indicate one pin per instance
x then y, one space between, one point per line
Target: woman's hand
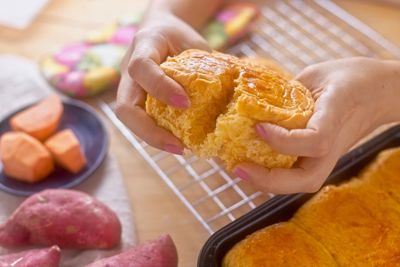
353 97
162 34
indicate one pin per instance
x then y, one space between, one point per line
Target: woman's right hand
161 34
353 97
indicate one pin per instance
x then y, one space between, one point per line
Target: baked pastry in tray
228 97
384 173
283 244
358 222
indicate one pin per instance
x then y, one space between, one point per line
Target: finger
145 70
312 77
307 177
313 141
199 43
129 109
125 59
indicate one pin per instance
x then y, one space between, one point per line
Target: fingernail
173 149
242 174
179 101
261 131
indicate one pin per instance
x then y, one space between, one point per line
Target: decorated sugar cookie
91 66
230 24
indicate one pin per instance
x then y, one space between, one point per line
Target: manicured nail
173 149
242 174
261 131
179 101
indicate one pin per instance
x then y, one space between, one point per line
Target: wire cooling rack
295 33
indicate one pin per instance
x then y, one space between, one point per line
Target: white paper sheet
19 13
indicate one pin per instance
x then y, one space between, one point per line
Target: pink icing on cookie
71 83
123 35
226 16
71 55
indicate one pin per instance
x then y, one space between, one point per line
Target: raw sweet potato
67 151
67 218
49 257
157 253
25 158
41 120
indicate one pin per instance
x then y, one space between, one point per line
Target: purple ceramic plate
92 135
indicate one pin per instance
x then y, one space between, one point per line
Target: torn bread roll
229 96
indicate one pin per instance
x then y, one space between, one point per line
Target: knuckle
321 148
263 188
137 63
280 137
120 110
124 63
309 70
201 43
313 186
307 74
152 34
157 86
145 32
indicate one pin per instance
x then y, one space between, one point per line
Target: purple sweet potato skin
156 253
67 218
49 257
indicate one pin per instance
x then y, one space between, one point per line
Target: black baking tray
282 208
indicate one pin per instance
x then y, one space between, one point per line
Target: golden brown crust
280 245
228 97
358 223
265 96
257 61
384 173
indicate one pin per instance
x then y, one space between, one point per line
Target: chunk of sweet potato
25 158
40 120
67 151
49 257
67 218
156 253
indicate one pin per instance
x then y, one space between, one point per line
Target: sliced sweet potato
156 253
25 158
49 257
41 120
67 151
68 218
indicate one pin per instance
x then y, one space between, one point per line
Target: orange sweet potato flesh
40 120
67 151
25 158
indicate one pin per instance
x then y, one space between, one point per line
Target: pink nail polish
173 149
261 131
179 101
241 174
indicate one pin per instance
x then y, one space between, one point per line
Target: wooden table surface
156 209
